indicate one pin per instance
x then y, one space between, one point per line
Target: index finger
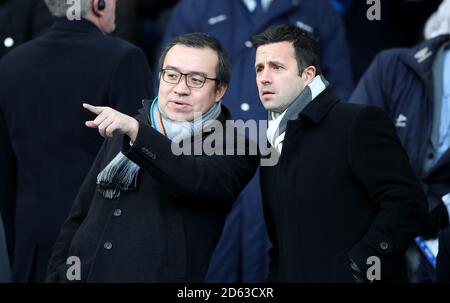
95 109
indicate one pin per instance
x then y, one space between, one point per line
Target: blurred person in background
413 86
46 149
400 24
20 21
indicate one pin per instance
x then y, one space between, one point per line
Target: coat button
248 44
107 245
430 156
117 212
8 42
245 107
384 245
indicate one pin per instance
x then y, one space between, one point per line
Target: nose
265 77
181 88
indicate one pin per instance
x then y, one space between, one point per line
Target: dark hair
306 50
200 40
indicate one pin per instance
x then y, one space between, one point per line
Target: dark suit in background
20 21
46 148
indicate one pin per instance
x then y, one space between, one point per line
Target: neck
176 130
90 16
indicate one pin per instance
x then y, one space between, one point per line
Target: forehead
279 51
192 59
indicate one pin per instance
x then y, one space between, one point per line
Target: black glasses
192 80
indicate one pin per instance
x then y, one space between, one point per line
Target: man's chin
179 117
269 106
112 29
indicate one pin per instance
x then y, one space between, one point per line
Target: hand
109 120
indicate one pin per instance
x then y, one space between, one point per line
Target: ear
95 10
308 75
220 91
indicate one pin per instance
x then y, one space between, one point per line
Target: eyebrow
270 63
191 72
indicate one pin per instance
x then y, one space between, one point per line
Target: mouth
266 93
179 104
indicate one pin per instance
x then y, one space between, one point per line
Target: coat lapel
317 109
313 113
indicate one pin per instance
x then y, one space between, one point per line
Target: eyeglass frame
163 71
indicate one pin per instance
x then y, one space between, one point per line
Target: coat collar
421 57
82 26
318 108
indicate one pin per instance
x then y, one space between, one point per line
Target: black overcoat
166 229
343 188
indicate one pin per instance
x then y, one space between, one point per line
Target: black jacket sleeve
378 160
57 264
215 177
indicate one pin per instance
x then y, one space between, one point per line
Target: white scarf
277 124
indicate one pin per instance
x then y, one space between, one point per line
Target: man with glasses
241 255
144 214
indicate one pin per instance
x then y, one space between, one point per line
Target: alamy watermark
232 138
373 273
374 11
73 272
74 10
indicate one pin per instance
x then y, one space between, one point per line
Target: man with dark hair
140 198
343 195
241 255
45 149
223 68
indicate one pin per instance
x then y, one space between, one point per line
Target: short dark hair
200 40
306 50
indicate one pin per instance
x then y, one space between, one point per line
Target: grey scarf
121 173
278 124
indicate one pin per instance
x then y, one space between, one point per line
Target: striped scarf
121 173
